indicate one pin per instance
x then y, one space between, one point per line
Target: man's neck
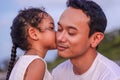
83 63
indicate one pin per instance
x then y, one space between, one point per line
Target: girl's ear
33 33
96 38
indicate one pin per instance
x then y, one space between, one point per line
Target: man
80 30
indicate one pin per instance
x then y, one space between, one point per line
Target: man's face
72 35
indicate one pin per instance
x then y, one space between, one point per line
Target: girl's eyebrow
52 23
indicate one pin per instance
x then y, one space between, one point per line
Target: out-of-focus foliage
110 46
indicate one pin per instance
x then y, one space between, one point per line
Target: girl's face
48 33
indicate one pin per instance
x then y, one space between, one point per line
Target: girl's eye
51 28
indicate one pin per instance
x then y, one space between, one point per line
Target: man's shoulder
62 70
108 63
109 66
64 65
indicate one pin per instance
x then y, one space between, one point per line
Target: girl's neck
39 52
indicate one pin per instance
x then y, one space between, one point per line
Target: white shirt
20 67
101 69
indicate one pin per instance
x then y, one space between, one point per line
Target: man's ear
96 38
33 33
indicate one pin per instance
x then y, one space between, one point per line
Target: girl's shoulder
36 68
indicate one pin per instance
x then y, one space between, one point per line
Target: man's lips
61 47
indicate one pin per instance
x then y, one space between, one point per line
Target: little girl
32 31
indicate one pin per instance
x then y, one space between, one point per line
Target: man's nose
61 37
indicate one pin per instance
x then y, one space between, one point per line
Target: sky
9 9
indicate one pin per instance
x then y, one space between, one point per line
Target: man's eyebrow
71 27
